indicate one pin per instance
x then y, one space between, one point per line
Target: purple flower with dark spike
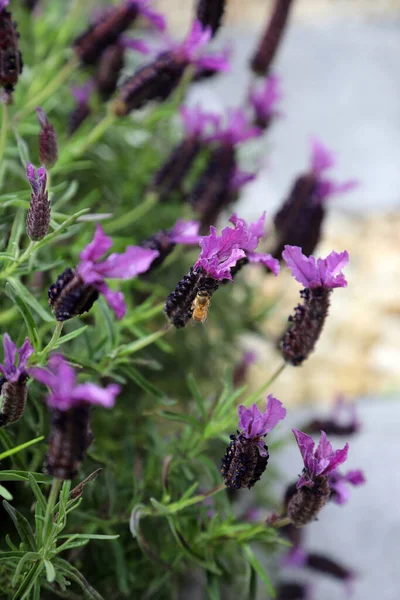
65 392
196 121
319 277
321 160
38 219
263 101
316 273
236 130
254 232
110 65
191 50
183 232
335 424
271 39
10 57
13 381
48 143
220 253
70 403
313 487
340 483
247 456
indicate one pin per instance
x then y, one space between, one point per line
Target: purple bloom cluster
9 369
322 160
65 392
263 100
316 273
236 129
254 425
191 50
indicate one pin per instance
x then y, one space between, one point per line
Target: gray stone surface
340 81
365 533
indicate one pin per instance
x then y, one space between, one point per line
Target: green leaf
24 476
74 575
198 397
22 526
5 493
133 347
30 300
26 315
50 571
181 418
23 149
257 566
28 557
21 447
88 536
28 582
69 336
54 234
41 500
142 382
16 232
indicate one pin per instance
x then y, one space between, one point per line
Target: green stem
281 522
264 386
51 502
56 334
48 90
127 219
77 150
18 262
3 131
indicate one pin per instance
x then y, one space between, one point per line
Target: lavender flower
157 80
109 25
263 100
271 39
247 456
48 143
82 108
13 381
210 12
75 291
218 258
339 484
111 63
236 130
291 590
299 222
313 488
241 369
196 124
70 403
319 277
183 232
38 219
334 424
10 56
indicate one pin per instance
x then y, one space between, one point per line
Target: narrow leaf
22 526
21 447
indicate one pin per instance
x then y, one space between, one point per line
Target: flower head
320 461
185 232
241 178
252 235
254 424
340 483
48 144
132 262
38 219
196 121
155 18
4 4
236 130
65 392
82 93
321 160
264 99
335 424
190 51
315 273
11 372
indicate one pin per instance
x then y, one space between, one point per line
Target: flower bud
48 143
10 56
38 219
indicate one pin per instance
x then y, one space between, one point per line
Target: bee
200 306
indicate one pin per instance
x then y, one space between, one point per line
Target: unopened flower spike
300 220
76 290
109 25
69 403
48 143
197 125
158 79
319 277
247 455
313 488
82 109
38 219
293 590
10 55
164 241
210 13
263 100
271 38
343 420
13 380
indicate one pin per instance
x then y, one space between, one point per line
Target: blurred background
339 65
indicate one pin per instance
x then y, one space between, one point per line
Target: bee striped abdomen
70 297
242 465
14 396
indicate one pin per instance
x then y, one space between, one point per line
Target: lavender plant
131 502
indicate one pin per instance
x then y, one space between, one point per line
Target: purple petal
337 459
82 94
155 18
42 118
94 394
24 352
3 4
115 300
214 62
321 157
185 232
265 97
303 268
355 477
241 178
324 448
341 491
100 244
296 557
132 262
134 44
10 354
273 414
43 375
306 445
330 269
265 259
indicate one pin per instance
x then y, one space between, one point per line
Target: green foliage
146 518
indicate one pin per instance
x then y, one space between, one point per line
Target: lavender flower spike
263 101
319 277
335 424
13 381
48 144
247 456
70 403
164 241
38 219
75 291
313 487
